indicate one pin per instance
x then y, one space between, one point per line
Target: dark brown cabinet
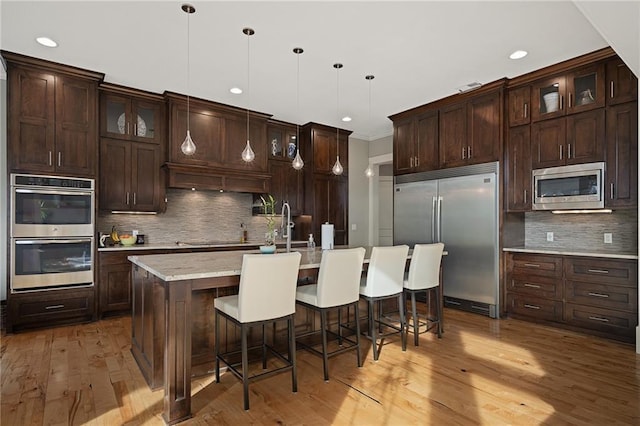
114 283
282 141
330 204
519 105
415 144
470 132
580 90
52 117
622 85
131 114
576 139
326 144
287 186
130 176
596 295
621 188
518 169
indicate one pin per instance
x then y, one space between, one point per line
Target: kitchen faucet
286 230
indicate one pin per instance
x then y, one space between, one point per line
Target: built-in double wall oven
52 232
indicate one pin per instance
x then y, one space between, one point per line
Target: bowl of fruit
127 239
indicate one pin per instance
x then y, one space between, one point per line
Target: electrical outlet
608 238
354 227
134 232
549 236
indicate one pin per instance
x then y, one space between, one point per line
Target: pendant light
369 170
297 162
188 147
248 155
337 167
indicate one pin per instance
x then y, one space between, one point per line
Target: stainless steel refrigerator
458 207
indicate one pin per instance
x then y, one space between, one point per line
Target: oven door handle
30 242
49 191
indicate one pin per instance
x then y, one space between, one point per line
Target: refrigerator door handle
439 219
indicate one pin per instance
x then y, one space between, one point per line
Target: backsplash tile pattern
583 231
196 216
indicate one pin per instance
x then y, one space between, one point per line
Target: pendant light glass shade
248 155
368 172
297 162
337 168
188 147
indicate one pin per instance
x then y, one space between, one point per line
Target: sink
205 243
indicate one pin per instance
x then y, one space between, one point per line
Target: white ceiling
418 51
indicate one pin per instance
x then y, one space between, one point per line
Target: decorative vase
268 249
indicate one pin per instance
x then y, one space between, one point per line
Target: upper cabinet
519 106
459 130
282 142
287 183
621 188
415 143
52 117
577 91
324 144
131 114
622 85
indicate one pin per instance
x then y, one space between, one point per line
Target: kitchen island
173 321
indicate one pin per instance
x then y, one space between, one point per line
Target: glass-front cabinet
283 142
132 118
581 90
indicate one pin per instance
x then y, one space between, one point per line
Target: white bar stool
424 277
337 287
267 293
384 280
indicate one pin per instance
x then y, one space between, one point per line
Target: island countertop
192 266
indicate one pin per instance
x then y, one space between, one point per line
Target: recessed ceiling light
518 54
235 90
46 41
346 118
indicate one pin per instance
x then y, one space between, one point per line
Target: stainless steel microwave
579 186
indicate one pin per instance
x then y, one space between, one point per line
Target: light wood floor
483 371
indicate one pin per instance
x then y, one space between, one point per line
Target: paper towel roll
327 236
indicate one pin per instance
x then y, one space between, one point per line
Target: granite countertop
572 252
185 245
191 266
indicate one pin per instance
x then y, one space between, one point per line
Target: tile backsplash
583 231
195 216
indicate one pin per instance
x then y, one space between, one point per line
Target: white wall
358 192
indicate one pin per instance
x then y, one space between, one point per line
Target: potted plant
269 211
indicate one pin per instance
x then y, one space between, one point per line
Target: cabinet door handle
598 271
525 196
411 162
464 153
526 305
560 149
570 96
598 319
532 265
526 110
561 102
54 307
134 198
612 191
417 161
127 198
135 130
50 158
598 295
568 150
468 152
59 158
611 92
531 285
128 128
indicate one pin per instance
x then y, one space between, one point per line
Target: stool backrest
339 276
424 270
385 275
268 286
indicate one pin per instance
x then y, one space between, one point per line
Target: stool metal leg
264 348
292 353
358 334
403 322
439 311
325 357
245 365
372 327
217 345
416 319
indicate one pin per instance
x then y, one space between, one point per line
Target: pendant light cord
188 66
298 102
248 79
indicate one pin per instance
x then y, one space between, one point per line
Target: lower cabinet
114 283
596 295
50 308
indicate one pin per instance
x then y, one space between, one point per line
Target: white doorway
381 201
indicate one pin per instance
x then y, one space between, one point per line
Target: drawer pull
598 271
598 294
599 319
532 265
526 305
54 307
531 285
